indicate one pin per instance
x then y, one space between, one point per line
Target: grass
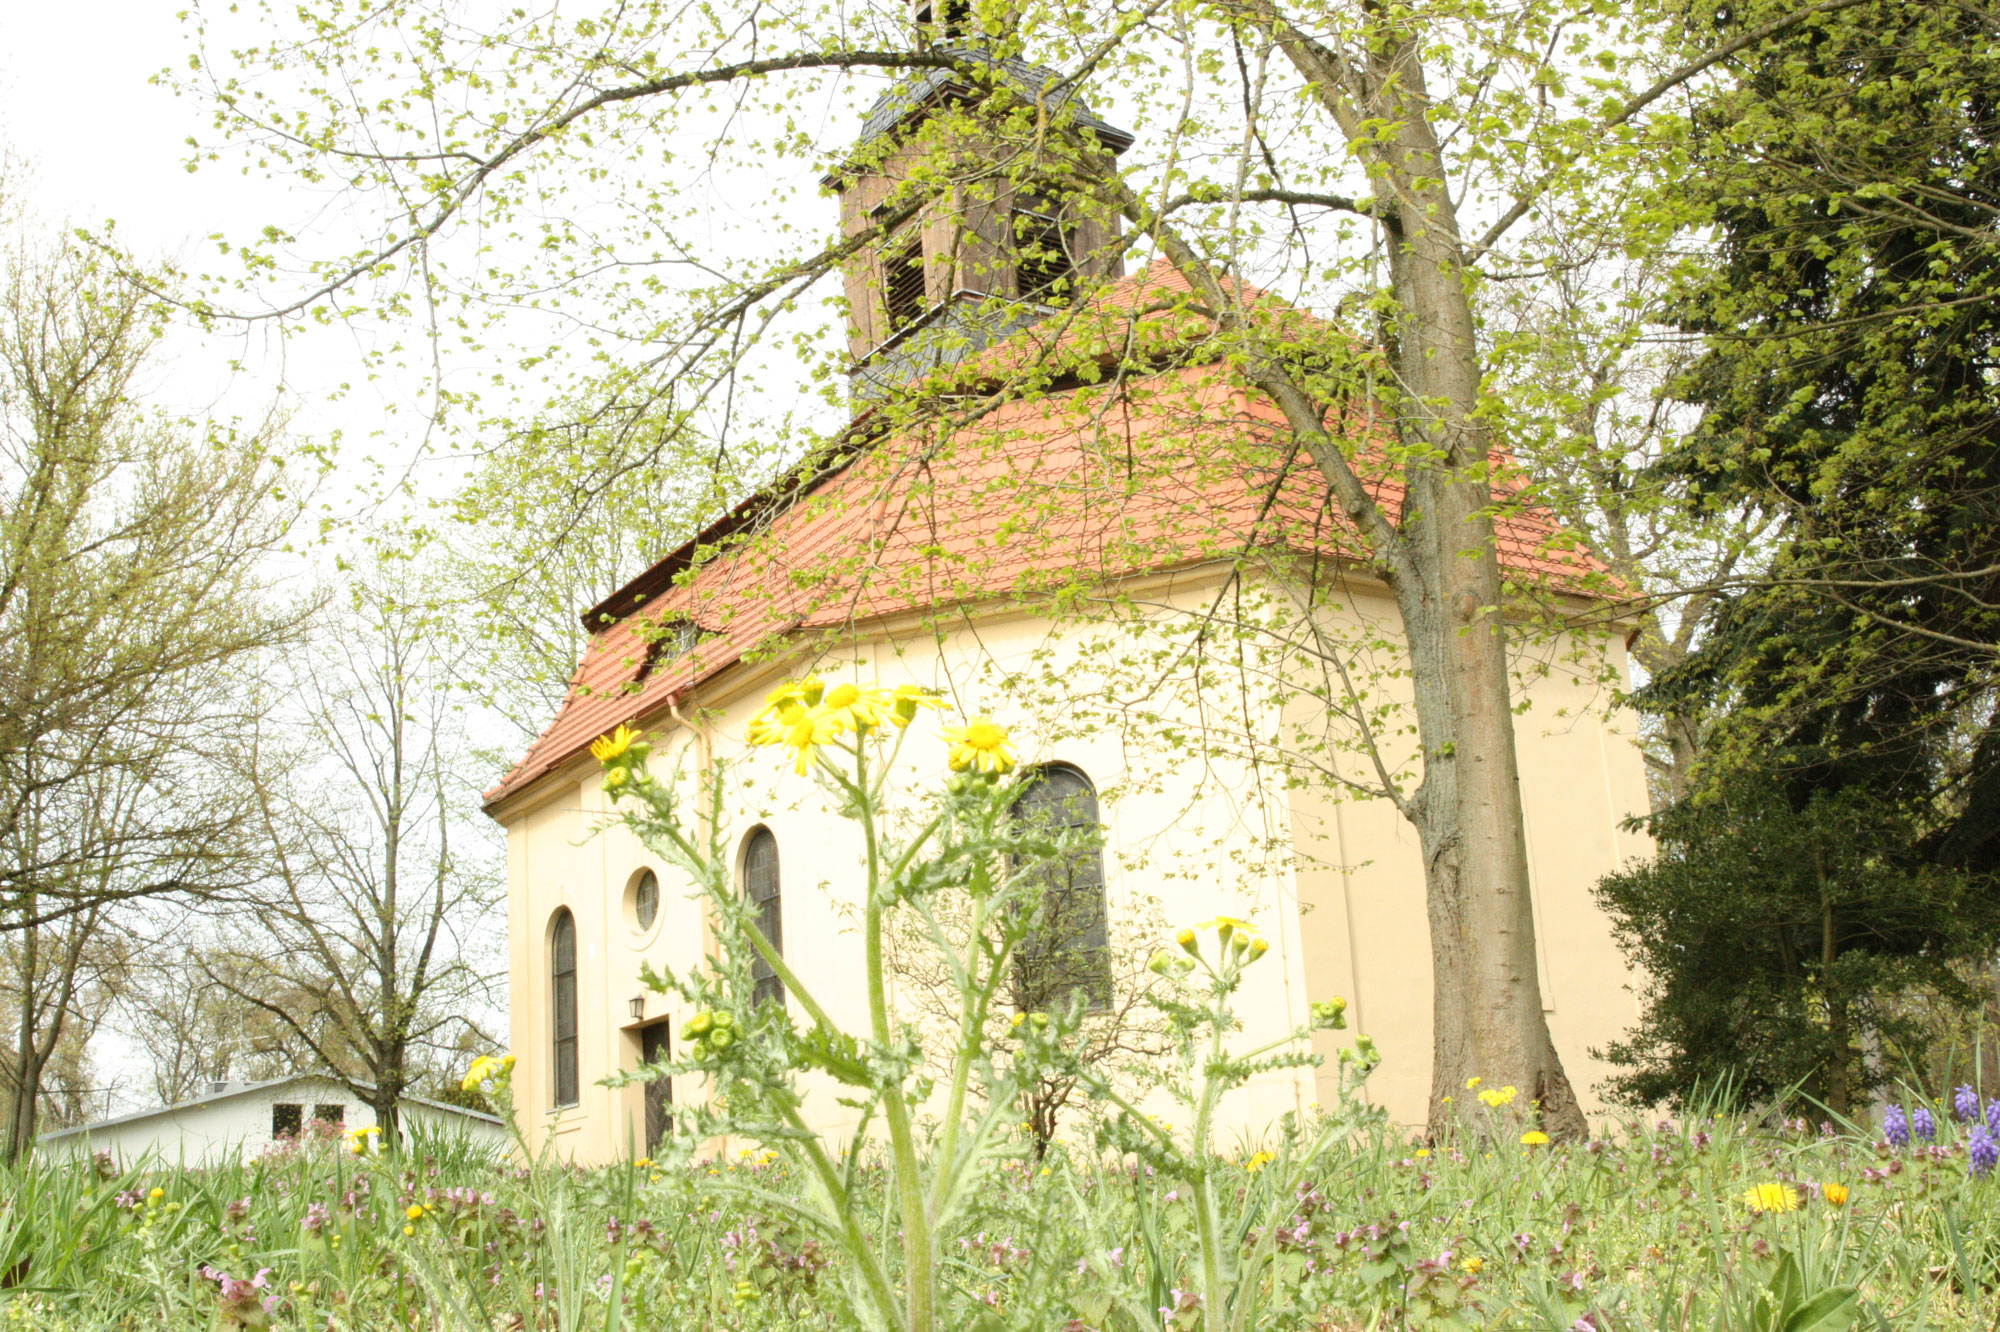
1648 1229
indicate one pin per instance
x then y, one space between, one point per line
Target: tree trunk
27 1055
1488 1019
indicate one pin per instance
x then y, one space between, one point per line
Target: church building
1057 504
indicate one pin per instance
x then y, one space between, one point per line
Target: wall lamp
638 1006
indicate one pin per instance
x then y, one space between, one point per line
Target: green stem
1206 1221
917 1256
972 1022
850 1224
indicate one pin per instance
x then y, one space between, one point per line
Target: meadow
1704 1221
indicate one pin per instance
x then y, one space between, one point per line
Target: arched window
562 976
1068 951
760 886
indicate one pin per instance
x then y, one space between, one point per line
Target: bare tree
58 985
133 612
370 943
194 1031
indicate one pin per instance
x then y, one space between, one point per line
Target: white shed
243 1119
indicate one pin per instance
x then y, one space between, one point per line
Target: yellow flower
980 746
156 1194
609 747
1496 1099
1471 1083
1472 1264
414 1212
800 728
908 698
1423 1152
1534 1138
643 1162
806 692
409 1230
487 1068
1835 1194
1772 1198
860 708
1258 1162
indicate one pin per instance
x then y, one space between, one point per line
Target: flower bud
698 1024
724 1018
721 1039
1187 940
1161 963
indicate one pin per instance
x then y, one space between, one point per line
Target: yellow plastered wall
1198 835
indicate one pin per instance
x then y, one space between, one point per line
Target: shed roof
236 1090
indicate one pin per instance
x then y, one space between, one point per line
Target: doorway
654 1046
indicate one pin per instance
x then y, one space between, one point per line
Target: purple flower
1922 1123
1984 1153
1896 1126
1993 1116
243 1303
1965 1102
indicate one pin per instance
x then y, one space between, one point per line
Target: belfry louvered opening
903 281
1044 249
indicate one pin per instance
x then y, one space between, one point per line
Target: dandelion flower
1835 1194
1534 1138
414 1212
1258 1161
1772 1197
980 746
1472 1264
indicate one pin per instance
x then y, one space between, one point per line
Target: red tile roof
1173 468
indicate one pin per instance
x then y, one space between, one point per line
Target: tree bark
1440 559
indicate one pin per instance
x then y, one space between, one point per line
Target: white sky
99 144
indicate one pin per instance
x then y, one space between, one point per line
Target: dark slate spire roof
928 86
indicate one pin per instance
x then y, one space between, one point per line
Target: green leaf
1832 1310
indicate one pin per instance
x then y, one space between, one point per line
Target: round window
646 900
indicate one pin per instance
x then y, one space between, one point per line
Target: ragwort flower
610 748
981 746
